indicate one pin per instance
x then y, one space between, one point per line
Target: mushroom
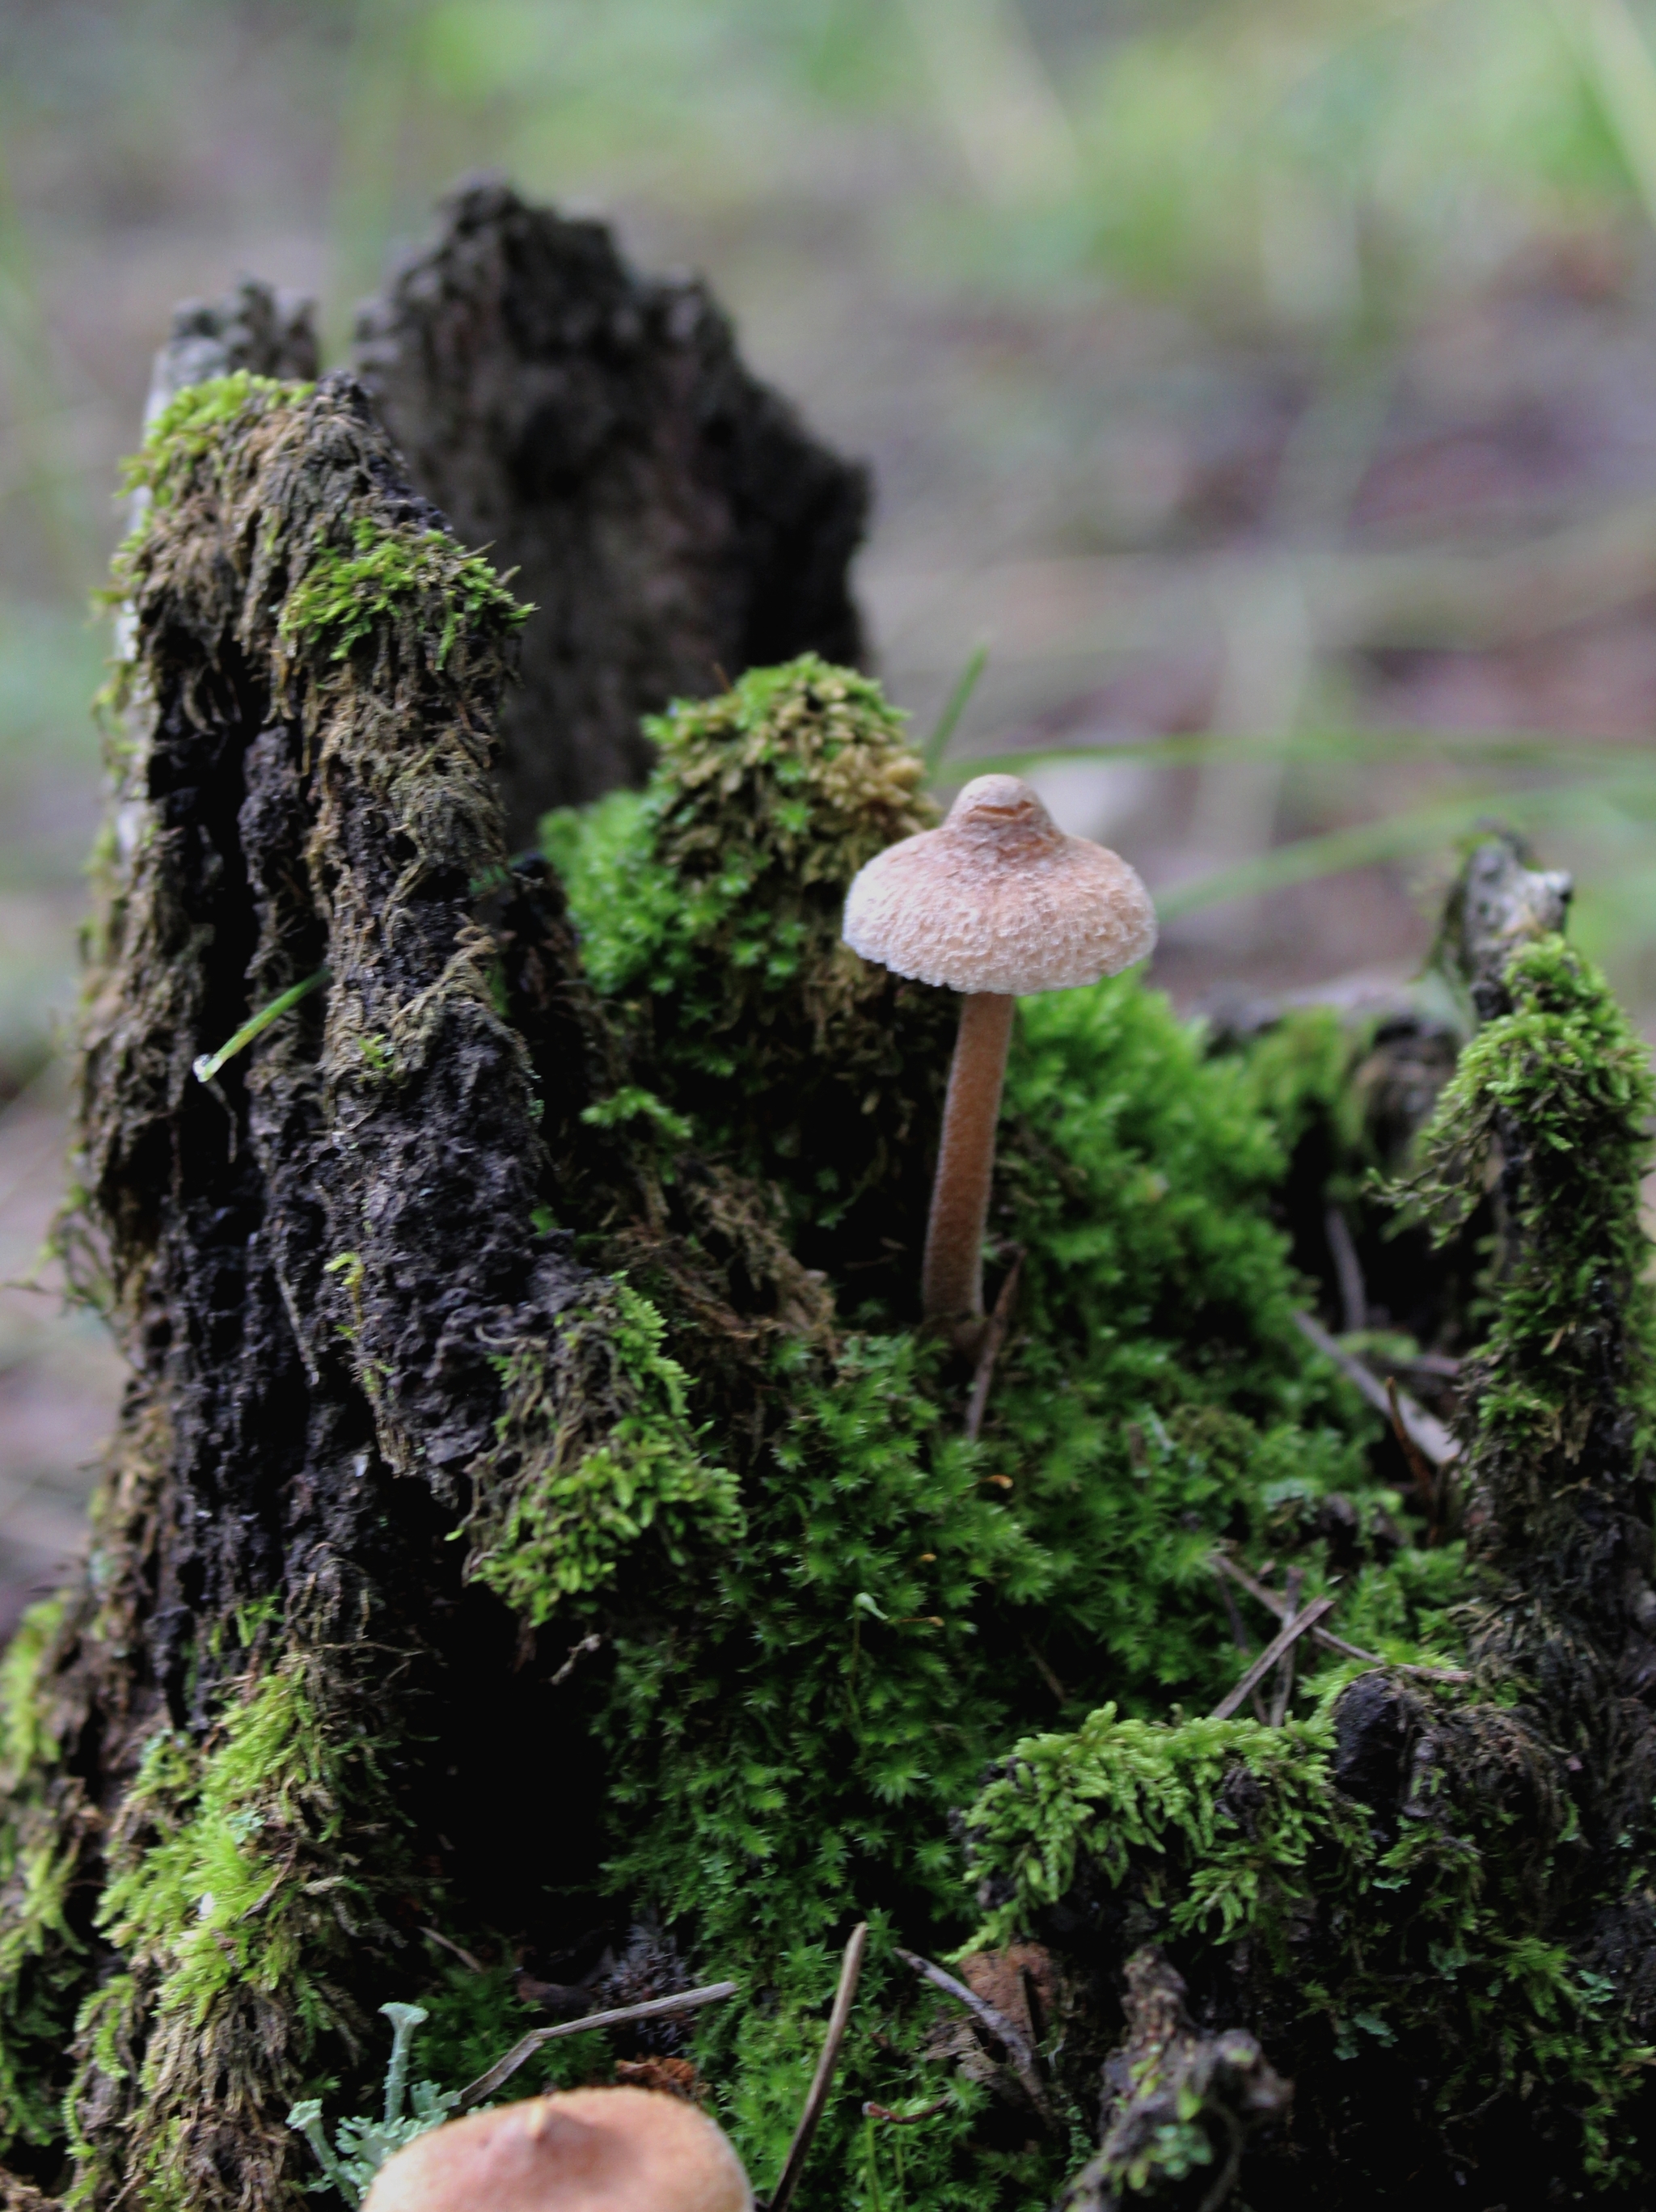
996 903
583 2150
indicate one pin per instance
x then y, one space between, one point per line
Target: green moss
830 1703
709 913
44 1958
1157 1396
559 1511
1559 1092
789 1737
221 1828
1117 1790
1298 1074
1463 1937
1219 1836
27 1743
229 1897
43 1966
764 2059
193 425
346 596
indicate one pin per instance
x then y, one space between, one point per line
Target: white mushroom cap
584 2150
999 899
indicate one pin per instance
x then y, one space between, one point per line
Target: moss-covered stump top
709 908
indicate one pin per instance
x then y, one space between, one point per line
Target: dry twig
654 2008
1273 1603
1348 1270
1296 1582
577 1651
1239 1638
1019 2047
1426 1478
1427 1432
822 2080
1285 1638
995 1337
447 1943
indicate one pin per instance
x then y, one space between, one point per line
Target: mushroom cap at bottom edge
583 2150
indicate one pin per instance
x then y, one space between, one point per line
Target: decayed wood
668 515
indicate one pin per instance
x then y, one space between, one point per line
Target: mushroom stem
951 1279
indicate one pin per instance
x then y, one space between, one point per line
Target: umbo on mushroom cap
999 899
584 2150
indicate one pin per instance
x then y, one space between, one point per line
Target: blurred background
1269 385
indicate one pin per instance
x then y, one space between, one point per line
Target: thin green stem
949 720
1335 851
208 1064
1620 71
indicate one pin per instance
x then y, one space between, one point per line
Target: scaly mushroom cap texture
584 2150
999 899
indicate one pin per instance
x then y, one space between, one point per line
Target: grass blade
937 744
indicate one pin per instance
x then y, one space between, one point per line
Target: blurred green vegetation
1007 247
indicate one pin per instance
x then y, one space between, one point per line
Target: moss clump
828 1701
1428 1901
1124 1793
1424 1951
210 1837
1553 1098
344 597
233 1900
192 428
709 913
787 1736
1156 1396
559 1506
44 1957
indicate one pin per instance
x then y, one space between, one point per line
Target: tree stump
666 516
520 1585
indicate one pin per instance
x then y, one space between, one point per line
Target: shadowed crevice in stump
668 516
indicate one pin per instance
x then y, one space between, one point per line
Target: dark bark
667 515
278 1394
256 327
348 1323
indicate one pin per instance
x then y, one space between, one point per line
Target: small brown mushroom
583 2150
996 903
